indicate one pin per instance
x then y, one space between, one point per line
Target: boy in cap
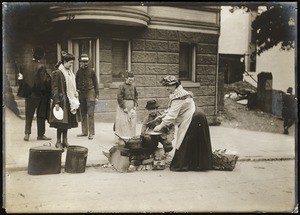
87 84
153 119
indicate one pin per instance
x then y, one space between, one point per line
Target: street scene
143 108
263 179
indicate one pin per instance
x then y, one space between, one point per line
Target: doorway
84 46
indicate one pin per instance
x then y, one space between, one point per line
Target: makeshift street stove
134 157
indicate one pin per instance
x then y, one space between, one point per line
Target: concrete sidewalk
248 145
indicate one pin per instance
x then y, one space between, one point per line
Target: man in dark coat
289 110
37 95
87 84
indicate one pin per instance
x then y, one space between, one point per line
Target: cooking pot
132 143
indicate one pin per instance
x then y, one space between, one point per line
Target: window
187 58
120 59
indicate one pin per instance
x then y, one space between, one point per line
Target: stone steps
14 89
9 68
15 103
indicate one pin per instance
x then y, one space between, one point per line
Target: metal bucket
76 159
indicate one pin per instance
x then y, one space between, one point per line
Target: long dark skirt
195 151
72 120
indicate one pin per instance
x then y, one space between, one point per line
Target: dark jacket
33 80
86 80
59 95
289 106
45 96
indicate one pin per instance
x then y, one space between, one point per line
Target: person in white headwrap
65 96
193 145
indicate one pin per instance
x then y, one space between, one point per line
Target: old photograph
143 107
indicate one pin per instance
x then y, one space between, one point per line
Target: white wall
282 66
234 31
234 40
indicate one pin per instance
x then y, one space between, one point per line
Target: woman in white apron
127 96
193 145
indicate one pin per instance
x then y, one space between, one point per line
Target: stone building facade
151 41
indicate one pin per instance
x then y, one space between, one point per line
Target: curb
265 159
24 168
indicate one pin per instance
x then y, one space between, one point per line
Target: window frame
192 65
128 60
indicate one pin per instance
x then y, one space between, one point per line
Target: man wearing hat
153 119
289 110
87 84
36 82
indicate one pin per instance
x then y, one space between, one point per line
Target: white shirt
180 113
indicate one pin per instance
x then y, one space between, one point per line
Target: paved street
263 180
252 186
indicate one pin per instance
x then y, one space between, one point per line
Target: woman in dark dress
65 96
193 145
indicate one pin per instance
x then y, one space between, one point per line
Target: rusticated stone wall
154 54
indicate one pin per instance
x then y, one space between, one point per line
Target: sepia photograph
149 107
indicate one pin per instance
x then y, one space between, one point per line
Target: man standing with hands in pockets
87 84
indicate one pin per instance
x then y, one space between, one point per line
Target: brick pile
129 160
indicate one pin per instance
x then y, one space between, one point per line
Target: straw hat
169 80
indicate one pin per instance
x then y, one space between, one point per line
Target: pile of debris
242 92
240 87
